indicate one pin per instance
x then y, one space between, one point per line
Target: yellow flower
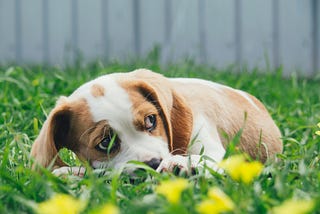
217 202
172 189
294 207
221 198
207 206
35 82
318 132
241 170
62 204
109 209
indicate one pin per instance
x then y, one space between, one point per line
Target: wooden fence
263 33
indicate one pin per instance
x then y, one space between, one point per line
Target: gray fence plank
7 31
120 29
31 32
89 29
315 22
167 20
152 24
295 36
74 29
18 30
184 34
220 32
257 33
60 30
202 31
45 31
275 33
238 31
105 28
136 22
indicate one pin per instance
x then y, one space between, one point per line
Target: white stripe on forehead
114 105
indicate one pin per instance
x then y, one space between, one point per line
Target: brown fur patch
182 124
97 90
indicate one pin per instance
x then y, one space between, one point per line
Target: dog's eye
150 122
109 144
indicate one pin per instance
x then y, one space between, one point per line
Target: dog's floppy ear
52 137
176 114
181 122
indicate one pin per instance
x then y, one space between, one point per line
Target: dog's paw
179 164
67 170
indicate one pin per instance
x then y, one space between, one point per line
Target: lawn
27 94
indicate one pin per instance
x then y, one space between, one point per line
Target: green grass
27 94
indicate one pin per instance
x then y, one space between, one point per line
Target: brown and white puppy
154 119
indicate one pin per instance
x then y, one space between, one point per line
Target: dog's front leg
68 170
189 164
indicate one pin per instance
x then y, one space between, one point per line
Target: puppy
164 122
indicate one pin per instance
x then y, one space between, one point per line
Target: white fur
78 171
207 137
216 86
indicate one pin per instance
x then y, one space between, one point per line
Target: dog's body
153 119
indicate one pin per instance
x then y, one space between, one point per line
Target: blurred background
221 33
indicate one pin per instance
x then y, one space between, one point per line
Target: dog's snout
153 163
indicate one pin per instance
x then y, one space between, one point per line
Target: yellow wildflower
217 202
207 206
109 209
172 189
62 204
35 82
294 207
221 198
318 132
241 170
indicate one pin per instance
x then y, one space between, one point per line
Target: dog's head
117 118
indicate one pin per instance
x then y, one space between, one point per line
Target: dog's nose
153 163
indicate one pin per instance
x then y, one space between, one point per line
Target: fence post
18 31
315 36
45 31
74 31
238 32
202 30
275 33
105 31
136 27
